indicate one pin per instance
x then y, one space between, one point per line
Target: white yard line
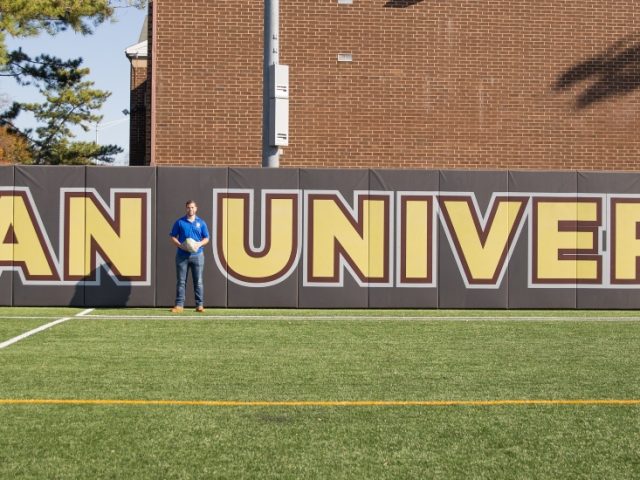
33 332
86 314
41 328
44 317
364 318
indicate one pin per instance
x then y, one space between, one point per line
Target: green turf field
341 363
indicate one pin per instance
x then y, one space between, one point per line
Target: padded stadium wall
302 238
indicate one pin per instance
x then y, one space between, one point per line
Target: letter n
338 238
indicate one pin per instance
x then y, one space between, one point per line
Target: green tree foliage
69 98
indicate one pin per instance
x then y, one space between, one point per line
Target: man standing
189 256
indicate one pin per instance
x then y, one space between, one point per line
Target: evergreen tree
69 98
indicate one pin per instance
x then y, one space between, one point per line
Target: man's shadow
106 294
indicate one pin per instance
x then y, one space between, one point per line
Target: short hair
189 202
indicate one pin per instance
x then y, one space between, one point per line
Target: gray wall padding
442 200
45 184
520 296
6 277
285 293
176 185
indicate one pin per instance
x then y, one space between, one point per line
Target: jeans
183 264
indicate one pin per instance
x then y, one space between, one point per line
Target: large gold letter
22 241
277 256
482 251
625 240
119 238
565 236
415 231
361 240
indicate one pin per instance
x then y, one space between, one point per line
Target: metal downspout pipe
270 153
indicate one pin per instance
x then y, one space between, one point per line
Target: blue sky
103 54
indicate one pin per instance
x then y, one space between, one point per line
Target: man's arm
176 242
205 239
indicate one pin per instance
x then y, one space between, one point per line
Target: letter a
23 246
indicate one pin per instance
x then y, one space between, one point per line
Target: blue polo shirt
184 229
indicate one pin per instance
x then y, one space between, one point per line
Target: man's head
191 208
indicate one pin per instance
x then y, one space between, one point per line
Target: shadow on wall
138 126
401 3
107 294
614 72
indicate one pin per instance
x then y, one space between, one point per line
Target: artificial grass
292 443
10 328
318 359
50 312
372 313
325 360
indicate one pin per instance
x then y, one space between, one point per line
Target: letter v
482 246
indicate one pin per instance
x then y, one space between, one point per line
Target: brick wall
458 84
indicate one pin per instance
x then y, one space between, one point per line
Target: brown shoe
200 309
176 310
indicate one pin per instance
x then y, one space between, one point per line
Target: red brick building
517 84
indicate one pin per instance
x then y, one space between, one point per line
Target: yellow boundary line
312 403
